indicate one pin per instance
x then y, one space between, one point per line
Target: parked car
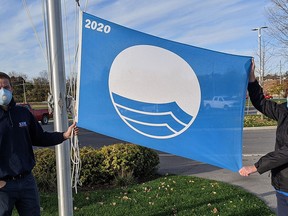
40 114
221 102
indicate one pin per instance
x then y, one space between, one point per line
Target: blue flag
164 95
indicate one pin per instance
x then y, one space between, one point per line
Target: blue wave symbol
150 118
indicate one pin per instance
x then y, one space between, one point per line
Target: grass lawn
169 195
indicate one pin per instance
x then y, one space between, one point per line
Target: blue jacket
19 131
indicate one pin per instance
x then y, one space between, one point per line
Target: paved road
256 142
250 111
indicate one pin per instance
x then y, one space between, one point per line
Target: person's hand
252 77
68 133
247 170
2 184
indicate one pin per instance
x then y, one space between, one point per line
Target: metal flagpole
57 65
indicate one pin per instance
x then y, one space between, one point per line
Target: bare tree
43 74
278 18
267 55
268 52
19 84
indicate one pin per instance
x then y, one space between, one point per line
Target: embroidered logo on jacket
22 124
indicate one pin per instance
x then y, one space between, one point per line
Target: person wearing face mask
19 132
5 97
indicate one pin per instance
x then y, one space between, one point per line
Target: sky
221 25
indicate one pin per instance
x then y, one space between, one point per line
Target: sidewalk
256 184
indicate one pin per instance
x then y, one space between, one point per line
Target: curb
260 128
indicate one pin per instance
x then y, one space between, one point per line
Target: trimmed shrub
124 160
92 172
45 169
118 163
258 120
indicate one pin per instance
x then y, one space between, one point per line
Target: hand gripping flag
164 95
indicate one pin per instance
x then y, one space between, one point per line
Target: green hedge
118 163
258 121
92 171
45 171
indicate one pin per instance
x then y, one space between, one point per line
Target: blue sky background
221 25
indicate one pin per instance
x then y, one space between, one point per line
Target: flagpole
57 65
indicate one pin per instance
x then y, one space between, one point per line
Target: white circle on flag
154 91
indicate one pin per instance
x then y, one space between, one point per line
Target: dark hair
5 76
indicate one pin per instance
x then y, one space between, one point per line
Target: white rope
75 150
71 108
50 100
67 33
34 29
86 5
73 73
73 77
76 39
76 161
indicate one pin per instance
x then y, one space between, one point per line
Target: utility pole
280 73
24 91
57 67
261 61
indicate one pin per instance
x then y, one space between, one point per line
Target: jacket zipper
10 118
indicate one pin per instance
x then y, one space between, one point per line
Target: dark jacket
19 131
277 160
